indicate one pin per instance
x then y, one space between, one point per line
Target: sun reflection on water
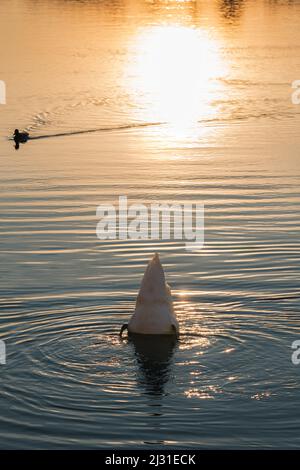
173 76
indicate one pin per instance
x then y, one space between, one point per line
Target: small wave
245 82
249 116
49 116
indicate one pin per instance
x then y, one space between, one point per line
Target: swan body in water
154 313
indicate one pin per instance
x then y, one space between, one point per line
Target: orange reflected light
173 74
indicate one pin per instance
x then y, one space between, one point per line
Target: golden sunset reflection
173 76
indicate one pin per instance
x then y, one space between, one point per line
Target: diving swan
154 313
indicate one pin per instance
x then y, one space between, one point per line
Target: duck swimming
154 313
20 137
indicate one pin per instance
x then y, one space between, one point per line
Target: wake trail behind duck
99 129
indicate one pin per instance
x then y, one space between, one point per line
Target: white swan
154 313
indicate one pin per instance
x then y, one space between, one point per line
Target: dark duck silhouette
20 137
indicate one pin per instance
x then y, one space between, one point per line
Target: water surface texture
169 101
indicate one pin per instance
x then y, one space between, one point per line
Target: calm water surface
214 78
